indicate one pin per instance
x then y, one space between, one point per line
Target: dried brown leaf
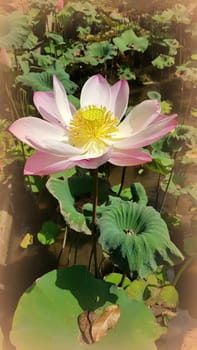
105 321
93 327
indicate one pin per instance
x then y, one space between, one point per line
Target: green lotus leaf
168 296
163 61
136 289
48 233
116 278
125 193
136 237
47 314
161 162
135 192
14 30
43 81
99 52
61 191
129 40
154 95
125 72
138 193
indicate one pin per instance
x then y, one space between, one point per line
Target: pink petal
140 117
93 163
61 99
60 5
96 91
129 158
46 106
43 136
149 135
119 98
41 163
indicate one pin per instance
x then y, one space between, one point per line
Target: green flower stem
122 180
94 235
63 246
166 190
182 269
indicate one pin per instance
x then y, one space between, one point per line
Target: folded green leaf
136 237
61 191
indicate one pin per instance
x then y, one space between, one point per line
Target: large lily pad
136 237
46 316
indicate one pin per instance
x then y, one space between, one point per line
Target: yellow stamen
92 129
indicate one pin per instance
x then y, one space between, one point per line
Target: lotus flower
93 134
60 5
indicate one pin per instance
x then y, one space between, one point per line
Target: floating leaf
166 107
163 61
136 237
48 233
27 241
154 95
116 278
61 191
129 40
125 72
173 45
168 296
136 289
48 312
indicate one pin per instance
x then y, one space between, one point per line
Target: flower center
92 129
129 232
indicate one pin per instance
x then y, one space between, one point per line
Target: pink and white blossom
60 5
94 134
